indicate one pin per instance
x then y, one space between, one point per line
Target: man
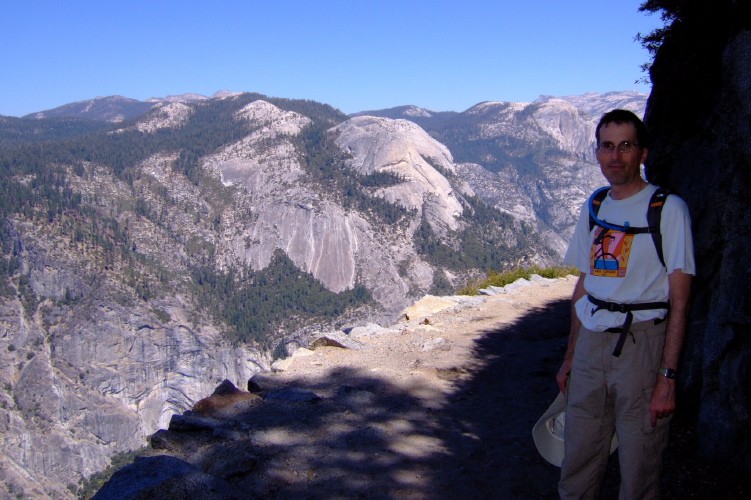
624 382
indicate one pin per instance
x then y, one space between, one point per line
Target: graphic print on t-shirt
609 253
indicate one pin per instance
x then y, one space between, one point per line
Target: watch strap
668 373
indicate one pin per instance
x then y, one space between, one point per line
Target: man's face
620 169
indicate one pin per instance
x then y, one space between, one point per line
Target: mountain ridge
592 102
117 108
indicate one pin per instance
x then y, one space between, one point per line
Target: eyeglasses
608 147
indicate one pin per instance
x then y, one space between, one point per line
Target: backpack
654 215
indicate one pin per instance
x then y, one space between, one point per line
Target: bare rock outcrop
401 147
337 246
597 105
548 188
167 115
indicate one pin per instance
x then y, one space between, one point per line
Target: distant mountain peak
415 111
117 108
224 93
597 104
408 111
109 109
178 98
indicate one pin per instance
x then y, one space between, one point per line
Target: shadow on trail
477 443
370 439
380 440
498 406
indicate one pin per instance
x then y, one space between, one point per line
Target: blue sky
354 55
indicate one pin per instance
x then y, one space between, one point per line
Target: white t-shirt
625 268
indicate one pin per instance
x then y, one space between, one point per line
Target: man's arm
663 395
565 370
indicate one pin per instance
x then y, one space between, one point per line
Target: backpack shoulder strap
594 205
654 216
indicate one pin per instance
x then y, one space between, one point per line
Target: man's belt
627 309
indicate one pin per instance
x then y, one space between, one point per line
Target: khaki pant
608 394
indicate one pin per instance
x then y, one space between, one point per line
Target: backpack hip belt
625 308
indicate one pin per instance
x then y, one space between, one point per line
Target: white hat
548 432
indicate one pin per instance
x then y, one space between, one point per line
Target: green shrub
500 279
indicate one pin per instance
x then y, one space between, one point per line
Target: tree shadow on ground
368 439
507 392
389 441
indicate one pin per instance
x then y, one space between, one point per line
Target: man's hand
563 374
663 400
663 395
568 360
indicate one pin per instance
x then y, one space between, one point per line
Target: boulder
165 477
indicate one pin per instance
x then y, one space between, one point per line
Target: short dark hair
621 116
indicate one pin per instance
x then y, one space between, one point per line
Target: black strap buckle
627 310
616 307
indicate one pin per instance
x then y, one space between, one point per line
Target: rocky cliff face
89 376
402 148
703 151
338 246
597 105
534 161
558 171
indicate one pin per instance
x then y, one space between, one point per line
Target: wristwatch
668 373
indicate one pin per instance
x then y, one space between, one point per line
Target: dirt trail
440 407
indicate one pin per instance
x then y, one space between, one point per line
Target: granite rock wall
699 114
